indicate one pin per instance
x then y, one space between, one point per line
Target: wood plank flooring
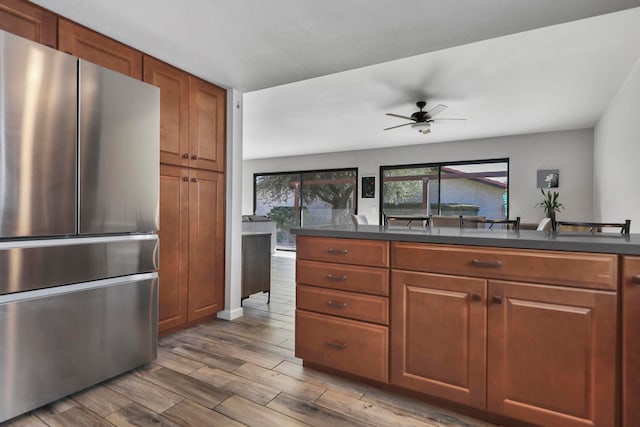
238 373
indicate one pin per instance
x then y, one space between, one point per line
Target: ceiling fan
421 119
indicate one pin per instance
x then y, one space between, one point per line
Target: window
295 199
456 188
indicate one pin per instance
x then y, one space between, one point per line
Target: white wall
233 209
616 156
569 151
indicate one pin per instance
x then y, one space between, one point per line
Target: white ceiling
557 78
554 78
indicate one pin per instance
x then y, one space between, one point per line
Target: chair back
359 219
592 227
444 221
406 220
545 225
480 221
470 221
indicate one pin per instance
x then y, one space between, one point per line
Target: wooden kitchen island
534 327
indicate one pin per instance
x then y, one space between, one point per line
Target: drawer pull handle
636 279
476 297
336 278
338 251
488 264
334 304
497 299
336 344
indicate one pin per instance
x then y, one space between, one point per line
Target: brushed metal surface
27 268
37 139
119 152
55 345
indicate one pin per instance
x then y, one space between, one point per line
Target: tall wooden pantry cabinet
192 139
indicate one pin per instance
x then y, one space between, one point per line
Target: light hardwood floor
238 373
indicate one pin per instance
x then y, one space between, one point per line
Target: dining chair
592 227
359 219
545 225
476 222
444 221
406 220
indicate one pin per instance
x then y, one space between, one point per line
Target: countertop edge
527 239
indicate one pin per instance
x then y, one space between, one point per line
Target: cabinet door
207 124
101 50
552 354
631 341
174 247
438 335
29 21
174 109
206 244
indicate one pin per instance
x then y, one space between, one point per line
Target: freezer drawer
119 152
58 341
63 262
38 173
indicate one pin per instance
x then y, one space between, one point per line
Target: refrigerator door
38 174
119 152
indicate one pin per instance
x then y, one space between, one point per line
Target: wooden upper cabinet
98 49
29 21
438 336
206 243
174 110
552 357
207 124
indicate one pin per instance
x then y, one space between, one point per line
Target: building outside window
456 188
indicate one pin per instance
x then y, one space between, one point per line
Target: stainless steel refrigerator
79 189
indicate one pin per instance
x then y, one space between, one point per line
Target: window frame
301 173
439 165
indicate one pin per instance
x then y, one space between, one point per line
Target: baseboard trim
231 314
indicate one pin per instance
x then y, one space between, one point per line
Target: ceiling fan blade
439 119
393 127
437 110
399 116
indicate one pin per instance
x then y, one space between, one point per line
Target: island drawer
584 270
344 304
373 253
369 280
355 347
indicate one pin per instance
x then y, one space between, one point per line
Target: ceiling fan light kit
421 119
424 127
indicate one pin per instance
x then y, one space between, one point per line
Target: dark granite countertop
524 239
